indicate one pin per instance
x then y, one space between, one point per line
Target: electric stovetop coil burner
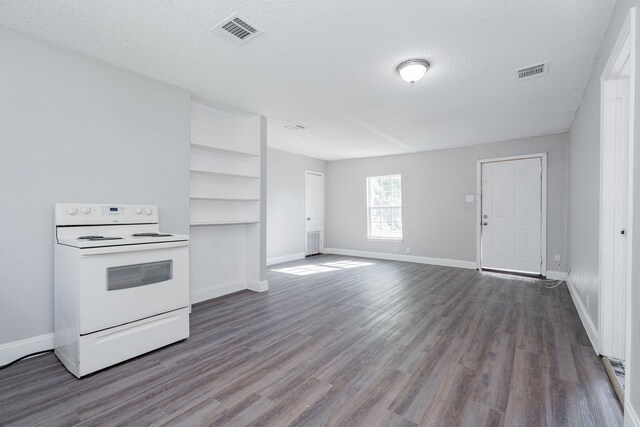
94 238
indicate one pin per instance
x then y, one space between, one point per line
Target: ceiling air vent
295 127
237 30
533 71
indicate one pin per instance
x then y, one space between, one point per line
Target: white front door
511 223
314 212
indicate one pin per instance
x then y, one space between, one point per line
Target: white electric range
121 286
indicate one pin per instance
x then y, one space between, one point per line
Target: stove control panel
112 210
94 214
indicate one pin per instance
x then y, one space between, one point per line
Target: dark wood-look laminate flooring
343 342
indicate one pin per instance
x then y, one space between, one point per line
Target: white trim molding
401 257
631 418
556 275
586 319
16 349
216 291
615 329
285 258
255 286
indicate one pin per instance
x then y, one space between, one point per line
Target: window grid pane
385 206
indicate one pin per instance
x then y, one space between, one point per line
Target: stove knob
148 211
139 211
85 210
72 211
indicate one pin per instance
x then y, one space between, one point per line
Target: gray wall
584 201
73 129
438 222
285 201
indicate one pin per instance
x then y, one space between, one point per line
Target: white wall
73 129
285 202
437 222
584 206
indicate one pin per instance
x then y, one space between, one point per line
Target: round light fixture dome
413 70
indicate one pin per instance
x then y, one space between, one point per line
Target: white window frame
381 238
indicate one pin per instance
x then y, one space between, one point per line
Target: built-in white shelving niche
225 167
224 211
225 201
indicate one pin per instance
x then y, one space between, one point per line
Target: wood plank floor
341 341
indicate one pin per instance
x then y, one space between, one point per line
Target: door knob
485 223
308 219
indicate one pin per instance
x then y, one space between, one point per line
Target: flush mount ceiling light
413 70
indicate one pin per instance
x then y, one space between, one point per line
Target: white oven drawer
117 288
105 348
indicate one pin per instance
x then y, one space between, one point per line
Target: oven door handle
132 248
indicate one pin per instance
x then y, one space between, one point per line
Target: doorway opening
314 212
512 214
616 181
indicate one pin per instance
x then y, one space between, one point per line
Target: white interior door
511 223
314 212
621 213
616 209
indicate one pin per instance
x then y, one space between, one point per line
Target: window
384 207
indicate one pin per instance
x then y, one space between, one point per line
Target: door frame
543 237
317 173
606 308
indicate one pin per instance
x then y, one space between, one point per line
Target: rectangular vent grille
533 71
313 242
237 30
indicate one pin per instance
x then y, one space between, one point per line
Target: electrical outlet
587 300
408 250
557 259
469 199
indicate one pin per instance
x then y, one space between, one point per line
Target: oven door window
135 275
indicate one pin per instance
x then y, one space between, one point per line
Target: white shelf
224 199
222 151
225 204
195 224
235 175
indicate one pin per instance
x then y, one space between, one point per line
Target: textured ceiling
330 65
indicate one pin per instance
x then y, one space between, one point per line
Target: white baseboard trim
556 275
285 258
631 418
216 291
401 257
587 322
255 286
17 349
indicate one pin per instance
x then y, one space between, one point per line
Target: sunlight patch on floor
347 264
305 270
